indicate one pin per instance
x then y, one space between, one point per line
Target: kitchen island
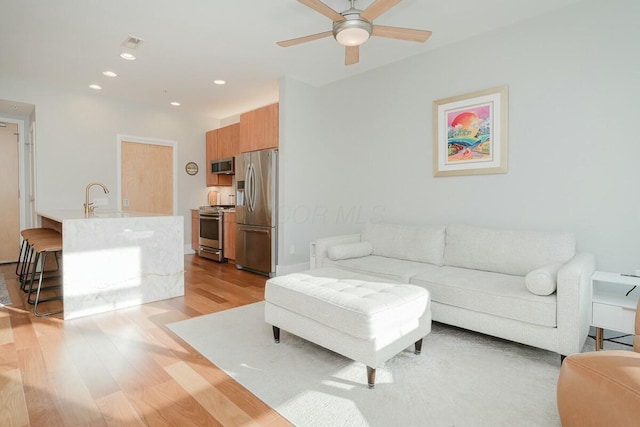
112 260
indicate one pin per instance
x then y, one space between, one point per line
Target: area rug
5 299
461 377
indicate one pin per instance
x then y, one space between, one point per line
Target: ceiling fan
353 27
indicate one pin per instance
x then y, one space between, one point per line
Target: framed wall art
470 133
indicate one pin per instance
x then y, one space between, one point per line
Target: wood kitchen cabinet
259 129
229 233
195 229
213 152
229 141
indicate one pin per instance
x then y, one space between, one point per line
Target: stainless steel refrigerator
257 211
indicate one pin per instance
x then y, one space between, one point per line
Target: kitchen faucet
88 207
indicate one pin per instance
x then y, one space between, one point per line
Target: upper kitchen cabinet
259 129
213 153
229 141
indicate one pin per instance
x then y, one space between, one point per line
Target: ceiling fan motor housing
354 30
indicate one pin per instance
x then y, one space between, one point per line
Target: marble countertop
66 214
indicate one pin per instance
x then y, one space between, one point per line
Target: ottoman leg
371 377
276 334
418 346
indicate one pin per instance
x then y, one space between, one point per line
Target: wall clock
191 168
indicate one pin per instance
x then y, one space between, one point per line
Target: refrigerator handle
250 230
247 186
253 188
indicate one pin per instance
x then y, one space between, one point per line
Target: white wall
362 148
76 143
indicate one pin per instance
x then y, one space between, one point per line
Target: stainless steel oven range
210 240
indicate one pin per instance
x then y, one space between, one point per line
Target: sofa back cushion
505 251
412 243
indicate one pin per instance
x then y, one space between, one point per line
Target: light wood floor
125 367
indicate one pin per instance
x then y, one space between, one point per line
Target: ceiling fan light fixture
352 32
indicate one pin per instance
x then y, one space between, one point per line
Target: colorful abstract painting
470 133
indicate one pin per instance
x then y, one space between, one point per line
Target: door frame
150 141
32 172
22 170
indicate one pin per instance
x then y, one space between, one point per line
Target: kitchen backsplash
226 195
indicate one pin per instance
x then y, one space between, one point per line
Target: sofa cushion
349 250
339 273
390 269
542 281
411 243
492 293
504 251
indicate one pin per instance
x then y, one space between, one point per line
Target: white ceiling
189 43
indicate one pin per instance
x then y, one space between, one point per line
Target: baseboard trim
281 270
188 250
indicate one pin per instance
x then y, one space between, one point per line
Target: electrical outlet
292 249
100 201
125 202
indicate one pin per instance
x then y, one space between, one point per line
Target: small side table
611 307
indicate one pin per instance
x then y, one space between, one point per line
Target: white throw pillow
542 281
349 250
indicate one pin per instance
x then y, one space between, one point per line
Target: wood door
147 177
9 193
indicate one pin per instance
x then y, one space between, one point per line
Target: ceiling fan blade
292 42
408 34
322 8
351 55
377 8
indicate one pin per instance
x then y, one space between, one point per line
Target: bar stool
29 236
38 260
24 258
42 247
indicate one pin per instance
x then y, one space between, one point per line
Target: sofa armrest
321 246
574 303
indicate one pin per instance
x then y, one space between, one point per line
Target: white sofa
524 286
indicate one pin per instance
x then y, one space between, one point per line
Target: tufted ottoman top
356 307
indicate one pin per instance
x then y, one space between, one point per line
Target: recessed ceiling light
109 74
128 56
175 104
96 87
219 82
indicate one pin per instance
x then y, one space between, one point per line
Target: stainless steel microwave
224 166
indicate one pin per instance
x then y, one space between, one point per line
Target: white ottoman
369 322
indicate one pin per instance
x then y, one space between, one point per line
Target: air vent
132 42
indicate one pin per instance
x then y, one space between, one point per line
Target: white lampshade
352 36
